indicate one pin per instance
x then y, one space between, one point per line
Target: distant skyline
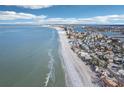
62 14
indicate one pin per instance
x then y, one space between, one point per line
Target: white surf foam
51 73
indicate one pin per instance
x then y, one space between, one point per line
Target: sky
62 14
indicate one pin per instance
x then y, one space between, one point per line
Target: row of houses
101 53
104 28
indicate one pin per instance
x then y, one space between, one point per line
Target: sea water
29 57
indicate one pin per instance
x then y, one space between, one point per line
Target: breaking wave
51 73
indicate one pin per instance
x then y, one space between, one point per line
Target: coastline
77 74
62 63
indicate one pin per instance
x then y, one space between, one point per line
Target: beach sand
77 74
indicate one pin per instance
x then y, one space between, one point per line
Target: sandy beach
77 74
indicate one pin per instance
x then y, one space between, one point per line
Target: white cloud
58 21
35 6
108 19
43 19
23 23
11 15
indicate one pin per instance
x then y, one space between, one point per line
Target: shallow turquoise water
29 57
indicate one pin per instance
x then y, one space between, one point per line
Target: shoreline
62 63
77 74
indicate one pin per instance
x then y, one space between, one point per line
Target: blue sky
63 14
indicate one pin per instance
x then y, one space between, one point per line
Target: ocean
29 57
